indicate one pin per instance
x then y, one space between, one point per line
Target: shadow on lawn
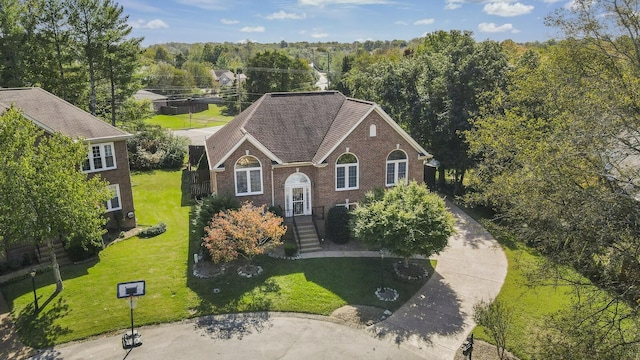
39 331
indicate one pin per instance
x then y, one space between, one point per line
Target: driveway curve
438 318
431 325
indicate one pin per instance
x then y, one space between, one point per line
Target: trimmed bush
153 230
338 229
290 249
78 253
277 210
210 206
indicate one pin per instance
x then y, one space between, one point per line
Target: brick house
107 145
308 152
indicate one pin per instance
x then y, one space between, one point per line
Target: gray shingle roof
294 127
56 115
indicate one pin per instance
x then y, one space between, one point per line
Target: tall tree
557 166
12 43
120 64
435 91
273 71
43 194
98 27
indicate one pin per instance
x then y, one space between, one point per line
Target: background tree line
79 50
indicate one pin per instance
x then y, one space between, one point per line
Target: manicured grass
207 118
88 304
530 302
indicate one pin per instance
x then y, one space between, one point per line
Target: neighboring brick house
107 145
308 152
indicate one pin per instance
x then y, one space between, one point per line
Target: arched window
347 172
396 167
248 173
373 131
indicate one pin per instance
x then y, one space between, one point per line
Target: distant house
106 145
226 77
309 152
157 100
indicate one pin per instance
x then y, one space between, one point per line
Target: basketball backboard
132 288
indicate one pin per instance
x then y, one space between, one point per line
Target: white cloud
229 21
253 29
454 4
281 15
551 1
424 22
493 28
319 35
153 24
401 23
507 9
322 3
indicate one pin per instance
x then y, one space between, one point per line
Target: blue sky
266 21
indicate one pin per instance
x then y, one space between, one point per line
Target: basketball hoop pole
131 306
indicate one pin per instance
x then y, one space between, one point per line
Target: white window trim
116 189
248 173
346 174
103 159
395 170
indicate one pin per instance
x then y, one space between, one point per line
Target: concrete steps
61 254
308 237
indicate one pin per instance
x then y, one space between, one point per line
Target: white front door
297 195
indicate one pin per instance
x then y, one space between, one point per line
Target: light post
33 284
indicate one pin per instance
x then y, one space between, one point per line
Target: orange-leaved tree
246 232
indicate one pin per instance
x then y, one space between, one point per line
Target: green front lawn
88 304
207 118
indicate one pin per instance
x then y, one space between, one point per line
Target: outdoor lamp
33 284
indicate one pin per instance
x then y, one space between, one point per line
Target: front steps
307 236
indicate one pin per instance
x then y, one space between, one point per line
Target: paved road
431 325
197 136
253 336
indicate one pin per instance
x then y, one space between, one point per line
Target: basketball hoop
131 291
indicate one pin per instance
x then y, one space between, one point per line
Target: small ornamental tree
246 232
407 220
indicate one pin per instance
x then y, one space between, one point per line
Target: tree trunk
441 180
113 94
406 262
55 266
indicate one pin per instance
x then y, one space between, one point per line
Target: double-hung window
114 203
100 157
347 172
396 167
248 173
